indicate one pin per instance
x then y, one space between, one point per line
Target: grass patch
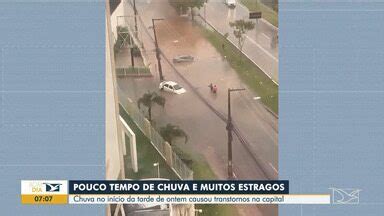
252 75
147 155
132 71
266 12
202 171
196 162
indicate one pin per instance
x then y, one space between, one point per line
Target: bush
136 51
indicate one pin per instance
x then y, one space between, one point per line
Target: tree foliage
240 28
184 5
148 100
170 132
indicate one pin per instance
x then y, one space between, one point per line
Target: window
177 87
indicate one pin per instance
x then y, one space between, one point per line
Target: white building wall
114 151
119 11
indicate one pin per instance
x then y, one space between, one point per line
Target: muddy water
178 36
207 135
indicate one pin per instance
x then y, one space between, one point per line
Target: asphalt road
259 45
207 134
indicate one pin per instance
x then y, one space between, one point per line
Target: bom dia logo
50 187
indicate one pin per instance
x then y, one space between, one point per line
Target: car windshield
177 87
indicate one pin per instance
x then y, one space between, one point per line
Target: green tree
148 100
170 132
240 28
184 5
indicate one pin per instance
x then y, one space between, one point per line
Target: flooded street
207 132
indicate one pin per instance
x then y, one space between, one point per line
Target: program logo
44 186
345 195
52 187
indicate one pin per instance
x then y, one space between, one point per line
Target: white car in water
231 3
171 86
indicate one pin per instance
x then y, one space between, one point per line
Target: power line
245 143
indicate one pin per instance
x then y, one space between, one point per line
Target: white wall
118 12
114 151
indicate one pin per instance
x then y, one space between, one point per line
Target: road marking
266 36
273 168
269 54
258 45
269 74
262 19
245 8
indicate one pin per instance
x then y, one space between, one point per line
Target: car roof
170 83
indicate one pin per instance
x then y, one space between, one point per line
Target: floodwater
207 132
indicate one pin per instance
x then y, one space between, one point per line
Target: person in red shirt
214 89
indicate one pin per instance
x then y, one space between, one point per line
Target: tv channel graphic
44 192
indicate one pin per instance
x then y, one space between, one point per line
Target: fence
129 23
163 147
136 71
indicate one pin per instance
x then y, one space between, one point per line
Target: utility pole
158 168
132 59
230 137
135 13
157 49
205 12
136 33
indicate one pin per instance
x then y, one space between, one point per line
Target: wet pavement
123 59
259 44
207 132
